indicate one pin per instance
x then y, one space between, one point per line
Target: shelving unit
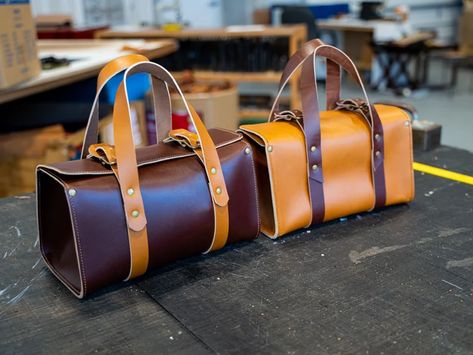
295 34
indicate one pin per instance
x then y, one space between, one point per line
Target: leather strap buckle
105 153
354 105
288 115
184 138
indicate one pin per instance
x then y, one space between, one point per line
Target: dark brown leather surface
144 155
177 204
58 251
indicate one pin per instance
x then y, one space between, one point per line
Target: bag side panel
287 165
240 179
398 171
56 237
265 201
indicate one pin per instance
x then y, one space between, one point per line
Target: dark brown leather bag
118 212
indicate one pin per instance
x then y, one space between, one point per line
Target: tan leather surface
398 150
111 69
346 152
287 163
139 255
161 100
126 161
221 219
117 65
183 137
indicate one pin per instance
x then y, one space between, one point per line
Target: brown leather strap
333 74
128 171
161 100
312 118
311 124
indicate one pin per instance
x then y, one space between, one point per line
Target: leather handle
296 60
162 106
310 108
125 152
127 169
311 125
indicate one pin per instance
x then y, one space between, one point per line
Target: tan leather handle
127 164
295 61
161 100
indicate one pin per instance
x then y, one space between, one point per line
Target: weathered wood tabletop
399 280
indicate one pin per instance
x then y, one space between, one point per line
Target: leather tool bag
117 212
316 166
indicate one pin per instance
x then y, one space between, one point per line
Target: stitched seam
254 185
143 163
272 184
56 273
82 266
411 151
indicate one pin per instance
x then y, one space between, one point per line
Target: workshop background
228 55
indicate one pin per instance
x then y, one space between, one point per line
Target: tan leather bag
315 166
117 212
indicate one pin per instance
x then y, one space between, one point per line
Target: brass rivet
313 148
135 213
377 136
213 171
130 192
270 148
218 190
72 192
406 123
378 153
247 150
314 167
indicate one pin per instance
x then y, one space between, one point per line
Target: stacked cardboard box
18 55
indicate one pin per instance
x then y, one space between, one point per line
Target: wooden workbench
89 56
398 280
295 34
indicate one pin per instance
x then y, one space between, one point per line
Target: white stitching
255 184
56 273
82 267
270 173
143 163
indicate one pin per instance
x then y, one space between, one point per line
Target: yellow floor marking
447 174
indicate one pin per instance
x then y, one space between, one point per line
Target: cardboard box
218 108
21 152
18 54
465 28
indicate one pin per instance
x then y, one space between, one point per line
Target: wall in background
437 15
